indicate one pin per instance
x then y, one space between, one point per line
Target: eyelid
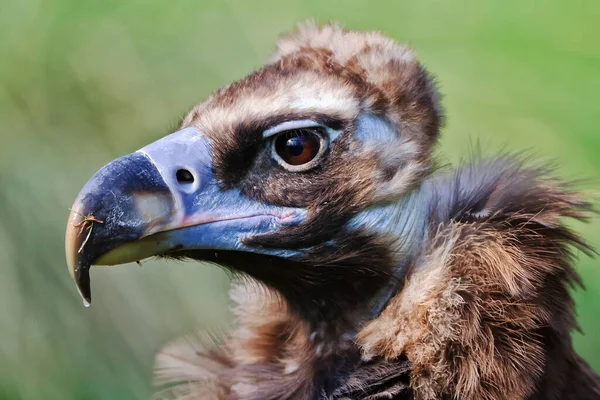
300 124
290 125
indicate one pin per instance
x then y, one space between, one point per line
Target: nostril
184 176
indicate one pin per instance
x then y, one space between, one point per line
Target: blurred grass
82 82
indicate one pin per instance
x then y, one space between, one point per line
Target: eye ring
299 149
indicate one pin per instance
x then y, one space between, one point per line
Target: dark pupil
295 145
298 146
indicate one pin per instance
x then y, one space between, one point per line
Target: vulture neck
403 223
401 226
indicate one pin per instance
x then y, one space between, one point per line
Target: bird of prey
365 271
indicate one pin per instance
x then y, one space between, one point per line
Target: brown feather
488 314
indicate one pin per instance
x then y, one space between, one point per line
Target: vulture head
371 275
299 175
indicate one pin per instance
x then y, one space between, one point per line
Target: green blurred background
82 82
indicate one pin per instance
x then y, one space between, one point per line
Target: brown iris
298 146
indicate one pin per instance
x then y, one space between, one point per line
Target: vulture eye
297 149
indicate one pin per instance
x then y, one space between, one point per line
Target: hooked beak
163 199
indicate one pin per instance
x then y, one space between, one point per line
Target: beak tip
79 273
82 280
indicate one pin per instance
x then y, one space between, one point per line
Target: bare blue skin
233 216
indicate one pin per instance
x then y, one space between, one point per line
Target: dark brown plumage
400 281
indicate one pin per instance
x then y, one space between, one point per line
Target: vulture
364 269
